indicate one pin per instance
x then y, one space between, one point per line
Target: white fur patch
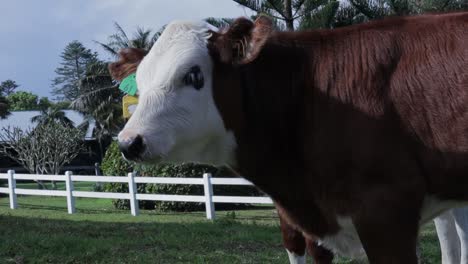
296 259
346 242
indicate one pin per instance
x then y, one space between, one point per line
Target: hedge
114 164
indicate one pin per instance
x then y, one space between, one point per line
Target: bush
114 164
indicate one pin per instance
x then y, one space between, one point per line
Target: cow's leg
385 244
293 241
448 238
461 222
319 254
388 228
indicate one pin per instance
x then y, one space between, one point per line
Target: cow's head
177 118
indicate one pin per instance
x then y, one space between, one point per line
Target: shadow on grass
42 240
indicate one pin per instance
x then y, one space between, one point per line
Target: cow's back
389 106
429 91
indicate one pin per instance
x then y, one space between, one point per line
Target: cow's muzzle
132 147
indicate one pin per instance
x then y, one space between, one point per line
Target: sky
33 33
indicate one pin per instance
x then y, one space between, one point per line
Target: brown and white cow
358 134
294 241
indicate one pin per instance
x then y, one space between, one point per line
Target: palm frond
107 48
121 33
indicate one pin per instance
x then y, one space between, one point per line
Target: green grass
78 186
41 231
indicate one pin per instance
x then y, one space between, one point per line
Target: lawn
41 231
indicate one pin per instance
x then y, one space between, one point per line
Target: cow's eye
194 77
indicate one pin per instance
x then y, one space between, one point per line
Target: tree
7 87
219 22
377 9
99 96
75 60
303 14
100 101
52 115
44 103
142 39
4 106
62 105
44 149
22 101
295 13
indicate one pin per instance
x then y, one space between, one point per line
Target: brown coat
364 121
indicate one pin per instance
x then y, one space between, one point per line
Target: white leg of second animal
448 238
296 259
461 223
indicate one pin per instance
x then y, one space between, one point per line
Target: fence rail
207 181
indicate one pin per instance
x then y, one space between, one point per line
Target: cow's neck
262 103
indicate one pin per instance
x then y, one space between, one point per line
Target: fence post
132 189
11 189
69 190
209 206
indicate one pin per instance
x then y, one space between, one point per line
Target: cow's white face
176 118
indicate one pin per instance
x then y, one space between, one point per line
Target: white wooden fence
207 181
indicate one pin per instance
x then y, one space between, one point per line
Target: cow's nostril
132 148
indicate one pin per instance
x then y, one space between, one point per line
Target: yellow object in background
129 104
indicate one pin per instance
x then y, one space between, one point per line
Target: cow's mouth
132 148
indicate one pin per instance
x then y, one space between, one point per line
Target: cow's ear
241 42
129 59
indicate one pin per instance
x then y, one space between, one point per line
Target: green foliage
23 101
27 101
313 14
376 9
219 22
142 39
100 99
44 103
324 18
227 220
114 164
304 14
75 60
62 105
7 87
52 114
184 170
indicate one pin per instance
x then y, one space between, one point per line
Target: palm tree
4 106
52 114
142 39
219 22
100 102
